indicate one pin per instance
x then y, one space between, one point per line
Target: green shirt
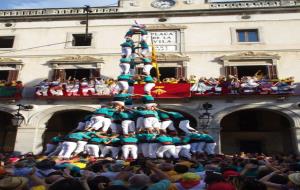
78 136
148 79
125 77
96 140
164 139
176 115
162 115
125 60
126 115
132 139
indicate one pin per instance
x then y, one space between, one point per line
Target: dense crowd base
213 172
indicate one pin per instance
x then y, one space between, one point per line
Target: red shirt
221 186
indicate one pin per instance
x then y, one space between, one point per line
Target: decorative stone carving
165 27
5 60
77 59
250 55
172 57
255 4
58 11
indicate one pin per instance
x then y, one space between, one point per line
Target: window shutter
178 72
95 73
231 70
13 75
183 71
272 69
59 74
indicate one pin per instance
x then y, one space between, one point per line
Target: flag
154 61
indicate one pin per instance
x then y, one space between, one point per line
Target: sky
32 4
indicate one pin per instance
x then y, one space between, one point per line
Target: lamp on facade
206 116
18 118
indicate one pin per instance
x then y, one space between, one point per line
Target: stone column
215 133
29 139
25 139
295 133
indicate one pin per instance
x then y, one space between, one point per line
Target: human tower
123 131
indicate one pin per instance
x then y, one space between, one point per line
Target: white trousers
114 151
125 67
131 90
116 128
123 85
128 126
130 149
145 149
80 147
185 126
100 122
164 125
210 148
67 149
81 126
145 52
56 151
184 151
50 148
153 147
126 51
147 68
171 149
151 122
140 123
197 147
148 87
92 150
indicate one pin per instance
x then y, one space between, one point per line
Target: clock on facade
163 4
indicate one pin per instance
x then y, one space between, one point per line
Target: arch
7 131
41 118
293 118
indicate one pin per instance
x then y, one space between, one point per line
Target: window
7 41
247 35
167 72
82 40
9 75
260 71
79 74
4 75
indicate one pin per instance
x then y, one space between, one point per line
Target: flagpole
154 60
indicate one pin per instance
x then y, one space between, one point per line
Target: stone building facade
206 38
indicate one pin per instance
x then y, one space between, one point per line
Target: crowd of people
122 147
17 84
230 85
215 172
245 85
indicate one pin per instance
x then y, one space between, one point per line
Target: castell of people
150 95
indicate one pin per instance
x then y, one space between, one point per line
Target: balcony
11 92
169 90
